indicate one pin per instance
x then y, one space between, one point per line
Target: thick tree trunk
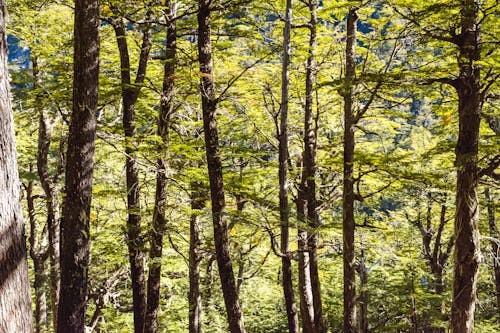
159 222
467 251
39 256
348 190
309 172
195 257
209 106
79 170
286 263
130 94
15 302
495 249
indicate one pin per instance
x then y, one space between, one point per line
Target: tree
159 221
79 170
15 311
348 223
209 107
286 263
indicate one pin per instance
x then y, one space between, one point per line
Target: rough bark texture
209 106
348 223
495 249
287 282
195 257
467 251
130 94
309 171
159 221
15 302
79 170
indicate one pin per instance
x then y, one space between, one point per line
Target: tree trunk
159 222
305 290
348 190
309 172
467 251
79 170
15 303
130 94
39 257
363 295
50 188
494 246
195 304
287 282
209 106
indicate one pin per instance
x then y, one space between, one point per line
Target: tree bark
495 249
363 294
209 106
286 263
467 251
39 256
79 170
348 222
309 172
130 94
159 221
50 188
195 257
15 303
305 290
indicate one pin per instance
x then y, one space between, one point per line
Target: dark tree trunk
494 246
348 190
130 94
15 309
209 106
309 172
159 222
50 188
195 257
39 256
287 282
467 250
79 170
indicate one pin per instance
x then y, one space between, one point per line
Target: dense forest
243 166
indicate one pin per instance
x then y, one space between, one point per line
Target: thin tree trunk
15 303
50 188
209 106
467 251
39 257
348 190
305 290
195 257
287 282
309 172
79 170
159 221
495 249
130 94
363 294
